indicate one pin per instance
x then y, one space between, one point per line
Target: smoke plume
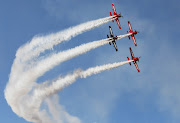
22 92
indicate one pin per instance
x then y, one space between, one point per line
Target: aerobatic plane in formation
116 16
133 33
135 59
113 38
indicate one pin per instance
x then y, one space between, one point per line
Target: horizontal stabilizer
108 37
128 60
111 15
128 36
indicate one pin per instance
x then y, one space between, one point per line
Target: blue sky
119 95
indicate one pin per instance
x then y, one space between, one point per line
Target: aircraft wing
115 46
114 9
134 40
111 32
132 55
118 23
130 28
136 66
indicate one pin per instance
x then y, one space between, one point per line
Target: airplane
112 38
135 59
116 16
133 33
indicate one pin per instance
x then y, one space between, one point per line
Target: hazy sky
118 95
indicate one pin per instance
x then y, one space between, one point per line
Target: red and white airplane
116 16
135 59
133 33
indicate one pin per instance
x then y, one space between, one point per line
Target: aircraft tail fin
111 15
128 60
128 36
108 37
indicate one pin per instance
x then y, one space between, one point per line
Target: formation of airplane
112 38
129 34
133 33
116 16
135 59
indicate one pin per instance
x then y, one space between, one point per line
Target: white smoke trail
22 79
55 59
43 91
40 44
22 88
58 112
60 83
33 49
14 95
